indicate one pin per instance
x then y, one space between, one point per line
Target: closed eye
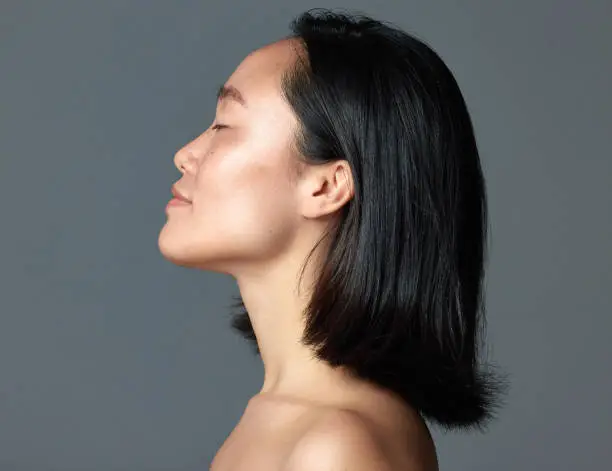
216 127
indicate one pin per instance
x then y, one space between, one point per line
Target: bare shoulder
337 440
345 440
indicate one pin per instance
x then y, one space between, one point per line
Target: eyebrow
232 93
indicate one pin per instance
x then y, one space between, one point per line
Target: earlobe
313 194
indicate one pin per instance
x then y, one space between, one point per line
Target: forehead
258 76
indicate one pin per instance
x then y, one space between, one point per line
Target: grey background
113 359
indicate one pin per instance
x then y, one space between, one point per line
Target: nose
184 160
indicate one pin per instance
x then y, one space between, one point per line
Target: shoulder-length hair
398 300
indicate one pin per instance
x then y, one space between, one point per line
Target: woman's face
236 174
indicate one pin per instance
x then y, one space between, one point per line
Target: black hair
398 301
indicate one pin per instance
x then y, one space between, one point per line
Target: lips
179 196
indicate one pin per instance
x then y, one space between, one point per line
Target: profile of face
242 204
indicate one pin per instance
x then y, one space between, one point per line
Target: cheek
245 207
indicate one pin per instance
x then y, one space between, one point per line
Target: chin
173 248
177 249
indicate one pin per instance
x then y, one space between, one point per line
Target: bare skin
271 427
246 216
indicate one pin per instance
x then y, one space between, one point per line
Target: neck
275 308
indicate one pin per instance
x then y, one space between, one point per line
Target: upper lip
178 195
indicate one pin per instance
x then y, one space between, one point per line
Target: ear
325 188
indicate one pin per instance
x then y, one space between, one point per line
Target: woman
340 185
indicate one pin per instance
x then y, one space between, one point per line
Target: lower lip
174 202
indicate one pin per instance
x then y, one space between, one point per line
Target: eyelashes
216 127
